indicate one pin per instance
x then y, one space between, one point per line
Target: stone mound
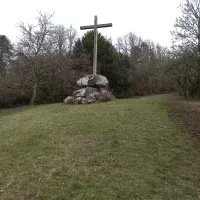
89 95
94 90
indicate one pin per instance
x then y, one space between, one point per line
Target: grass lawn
125 149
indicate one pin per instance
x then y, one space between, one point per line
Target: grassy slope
126 149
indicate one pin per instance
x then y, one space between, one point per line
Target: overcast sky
150 19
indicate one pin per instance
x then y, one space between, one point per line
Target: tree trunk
185 87
198 36
193 91
34 94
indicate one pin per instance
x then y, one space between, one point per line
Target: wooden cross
95 27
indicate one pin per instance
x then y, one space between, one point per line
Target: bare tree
64 39
127 43
147 63
187 26
72 36
186 44
34 44
60 39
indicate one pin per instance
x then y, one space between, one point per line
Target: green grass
125 149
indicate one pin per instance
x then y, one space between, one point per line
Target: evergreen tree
5 53
113 65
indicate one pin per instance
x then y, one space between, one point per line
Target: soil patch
167 96
188 117
186 113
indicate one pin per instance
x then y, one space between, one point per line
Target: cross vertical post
95 47
95 27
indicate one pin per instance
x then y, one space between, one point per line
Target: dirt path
174 97
186 112
168 96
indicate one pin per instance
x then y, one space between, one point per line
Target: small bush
108 97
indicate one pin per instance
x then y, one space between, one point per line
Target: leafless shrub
108 97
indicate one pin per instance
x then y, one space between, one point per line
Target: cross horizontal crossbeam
98 26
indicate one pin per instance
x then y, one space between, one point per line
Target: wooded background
47 60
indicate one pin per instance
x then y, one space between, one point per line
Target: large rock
69 100
84 101
90 91
84 92
78 100
79 93
92 81
90 99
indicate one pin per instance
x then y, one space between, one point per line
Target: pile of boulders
93 89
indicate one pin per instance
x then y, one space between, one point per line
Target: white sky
150 19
